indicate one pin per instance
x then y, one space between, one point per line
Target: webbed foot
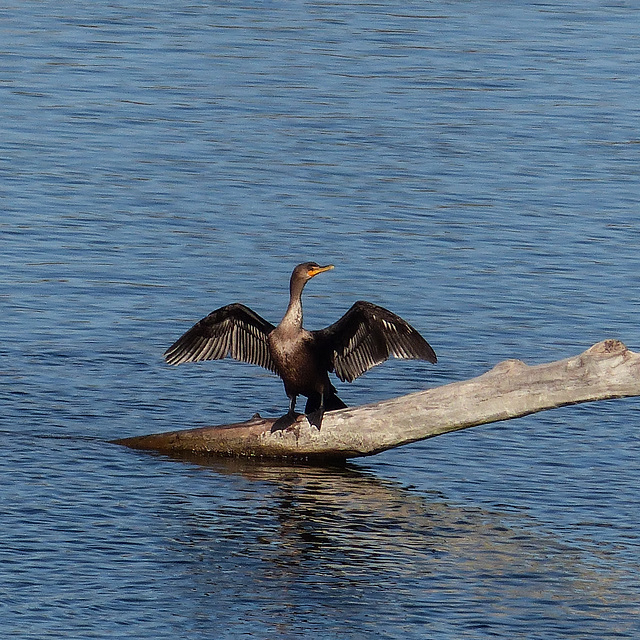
285 421
315 418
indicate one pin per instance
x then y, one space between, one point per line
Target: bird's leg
315 417
289 418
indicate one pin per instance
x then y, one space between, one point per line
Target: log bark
509 390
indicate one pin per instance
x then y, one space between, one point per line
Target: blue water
472 166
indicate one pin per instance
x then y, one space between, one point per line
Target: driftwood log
509 390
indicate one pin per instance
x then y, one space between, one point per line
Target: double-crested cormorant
365 336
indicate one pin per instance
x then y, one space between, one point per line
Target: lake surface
473 166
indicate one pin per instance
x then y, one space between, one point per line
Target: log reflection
331 535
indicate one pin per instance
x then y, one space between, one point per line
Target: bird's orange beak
316 270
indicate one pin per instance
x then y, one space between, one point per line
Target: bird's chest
295 360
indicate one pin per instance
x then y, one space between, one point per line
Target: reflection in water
299 544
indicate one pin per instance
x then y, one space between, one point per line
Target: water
472 166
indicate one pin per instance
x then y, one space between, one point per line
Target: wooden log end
252 439
607 347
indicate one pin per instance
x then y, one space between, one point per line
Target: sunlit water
472 166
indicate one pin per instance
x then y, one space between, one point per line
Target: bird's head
303 273
308 270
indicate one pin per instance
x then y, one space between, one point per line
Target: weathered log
509 390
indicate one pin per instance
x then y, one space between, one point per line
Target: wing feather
366 336
233 330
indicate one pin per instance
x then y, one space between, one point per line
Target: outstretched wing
368 335
234 330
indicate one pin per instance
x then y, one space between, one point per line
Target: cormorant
365 336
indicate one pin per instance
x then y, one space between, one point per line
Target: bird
365 336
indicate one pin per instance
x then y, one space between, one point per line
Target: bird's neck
293 316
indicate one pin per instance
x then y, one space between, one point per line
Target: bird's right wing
234 330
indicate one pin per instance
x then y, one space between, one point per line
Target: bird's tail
332 403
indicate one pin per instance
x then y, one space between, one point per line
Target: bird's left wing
233 330
366 336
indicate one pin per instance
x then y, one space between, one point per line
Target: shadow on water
299 543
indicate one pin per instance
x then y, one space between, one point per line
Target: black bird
365 336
